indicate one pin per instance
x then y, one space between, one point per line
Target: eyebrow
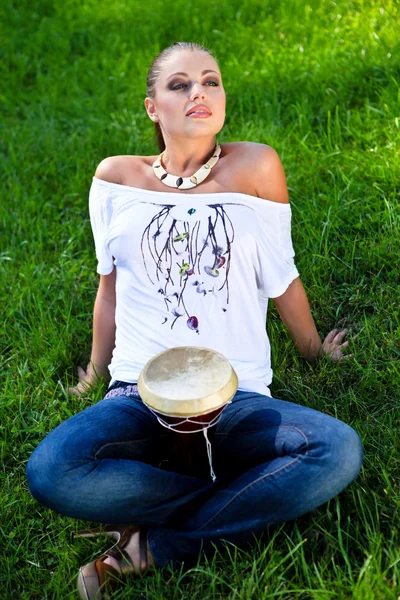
186 75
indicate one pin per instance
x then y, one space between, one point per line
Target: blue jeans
274 461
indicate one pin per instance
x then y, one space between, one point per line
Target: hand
87 379
333 347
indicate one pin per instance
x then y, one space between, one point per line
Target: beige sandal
97 578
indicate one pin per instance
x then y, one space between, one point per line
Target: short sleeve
276 253
100 210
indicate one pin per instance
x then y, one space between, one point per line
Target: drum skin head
187 381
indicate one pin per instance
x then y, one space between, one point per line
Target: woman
274 460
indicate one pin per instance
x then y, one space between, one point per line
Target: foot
131 554
138 564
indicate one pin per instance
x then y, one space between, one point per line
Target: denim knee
354 453
43 475
345 455
33 472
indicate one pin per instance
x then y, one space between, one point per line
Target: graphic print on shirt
187 248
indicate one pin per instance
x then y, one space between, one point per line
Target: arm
270 182
103 335
104 308
294 310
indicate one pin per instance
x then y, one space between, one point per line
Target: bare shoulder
114 168
261 170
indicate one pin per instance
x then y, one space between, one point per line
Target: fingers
81 372
339 337
334 347
85 381
336 337
74 391
331 335
81 388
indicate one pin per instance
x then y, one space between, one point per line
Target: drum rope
209 454
206 426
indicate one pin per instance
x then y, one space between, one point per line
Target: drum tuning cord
209 454
204 429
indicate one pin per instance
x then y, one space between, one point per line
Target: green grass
317 80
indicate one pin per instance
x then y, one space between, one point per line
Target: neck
185 158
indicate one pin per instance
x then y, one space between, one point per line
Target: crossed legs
274 461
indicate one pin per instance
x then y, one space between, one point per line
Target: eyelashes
180 86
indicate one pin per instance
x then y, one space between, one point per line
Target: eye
212 83
178 86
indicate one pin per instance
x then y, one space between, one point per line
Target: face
189 99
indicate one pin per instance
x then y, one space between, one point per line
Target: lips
200 110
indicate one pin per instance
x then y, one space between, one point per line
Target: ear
151 109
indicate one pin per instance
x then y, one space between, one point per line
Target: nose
197 92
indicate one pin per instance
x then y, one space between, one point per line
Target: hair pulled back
154 72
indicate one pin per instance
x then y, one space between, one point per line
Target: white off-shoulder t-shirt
192 270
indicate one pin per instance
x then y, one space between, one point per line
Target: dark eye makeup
181 85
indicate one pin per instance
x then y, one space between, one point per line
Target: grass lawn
317 80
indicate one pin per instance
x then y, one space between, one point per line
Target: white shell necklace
185 183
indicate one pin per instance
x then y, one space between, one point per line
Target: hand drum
187 388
